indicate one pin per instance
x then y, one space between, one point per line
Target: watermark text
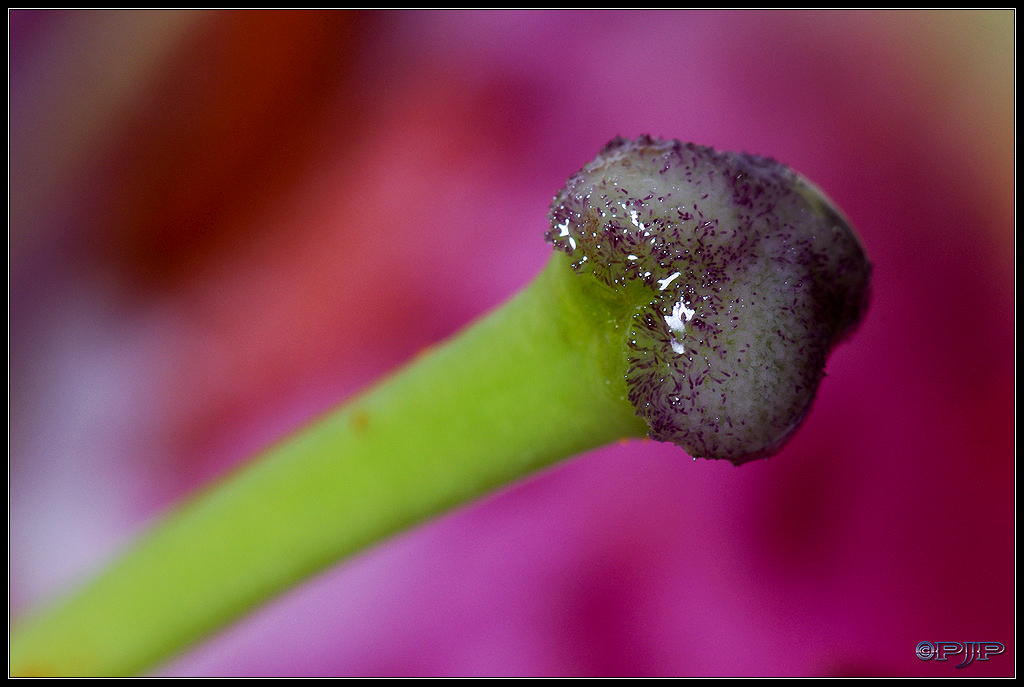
966 652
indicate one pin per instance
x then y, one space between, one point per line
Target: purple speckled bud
744 275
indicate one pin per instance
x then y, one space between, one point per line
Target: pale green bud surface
743 275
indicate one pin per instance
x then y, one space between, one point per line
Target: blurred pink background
224 223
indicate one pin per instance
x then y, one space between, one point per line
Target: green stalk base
538 380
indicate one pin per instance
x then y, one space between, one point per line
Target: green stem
538 380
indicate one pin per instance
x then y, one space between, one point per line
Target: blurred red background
224 223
